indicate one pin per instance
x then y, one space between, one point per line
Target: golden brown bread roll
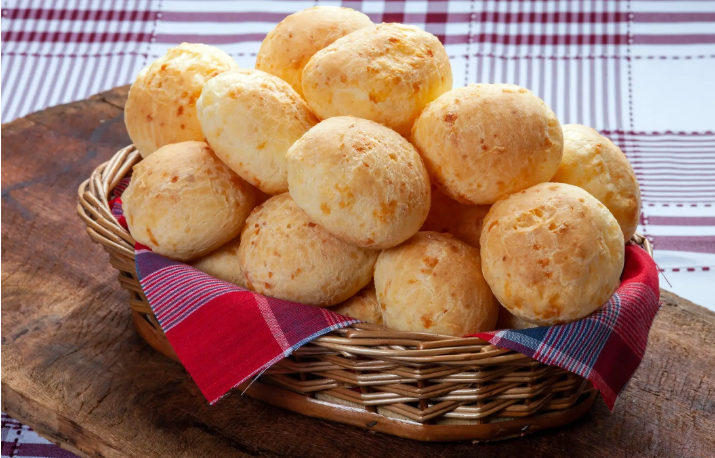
386 73
250 119
592 162
485 141
434 283
285 255
462 221
183 202
222 263
552 253
288 47
359 180
161 107
362 306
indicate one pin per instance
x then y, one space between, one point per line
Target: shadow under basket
414 385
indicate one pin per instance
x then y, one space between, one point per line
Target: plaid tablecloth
641 72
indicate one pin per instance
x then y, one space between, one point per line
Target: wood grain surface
74 368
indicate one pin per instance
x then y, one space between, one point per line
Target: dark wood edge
53 426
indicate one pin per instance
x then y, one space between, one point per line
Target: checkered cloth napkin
605 347
224 334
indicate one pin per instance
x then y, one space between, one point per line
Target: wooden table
74 368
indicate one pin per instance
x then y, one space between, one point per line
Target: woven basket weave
417 385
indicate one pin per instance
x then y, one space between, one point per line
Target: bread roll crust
222 263
387 73
250 119
161 106
462 221
284 254
485 141
594 163
363 306
361 181
552 253
288 47
183 202
433 283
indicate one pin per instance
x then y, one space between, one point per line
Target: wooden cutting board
74 368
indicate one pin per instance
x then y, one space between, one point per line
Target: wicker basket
416 385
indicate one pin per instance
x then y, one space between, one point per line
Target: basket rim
362 339
404 383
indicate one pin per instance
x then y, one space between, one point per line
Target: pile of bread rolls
344 171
